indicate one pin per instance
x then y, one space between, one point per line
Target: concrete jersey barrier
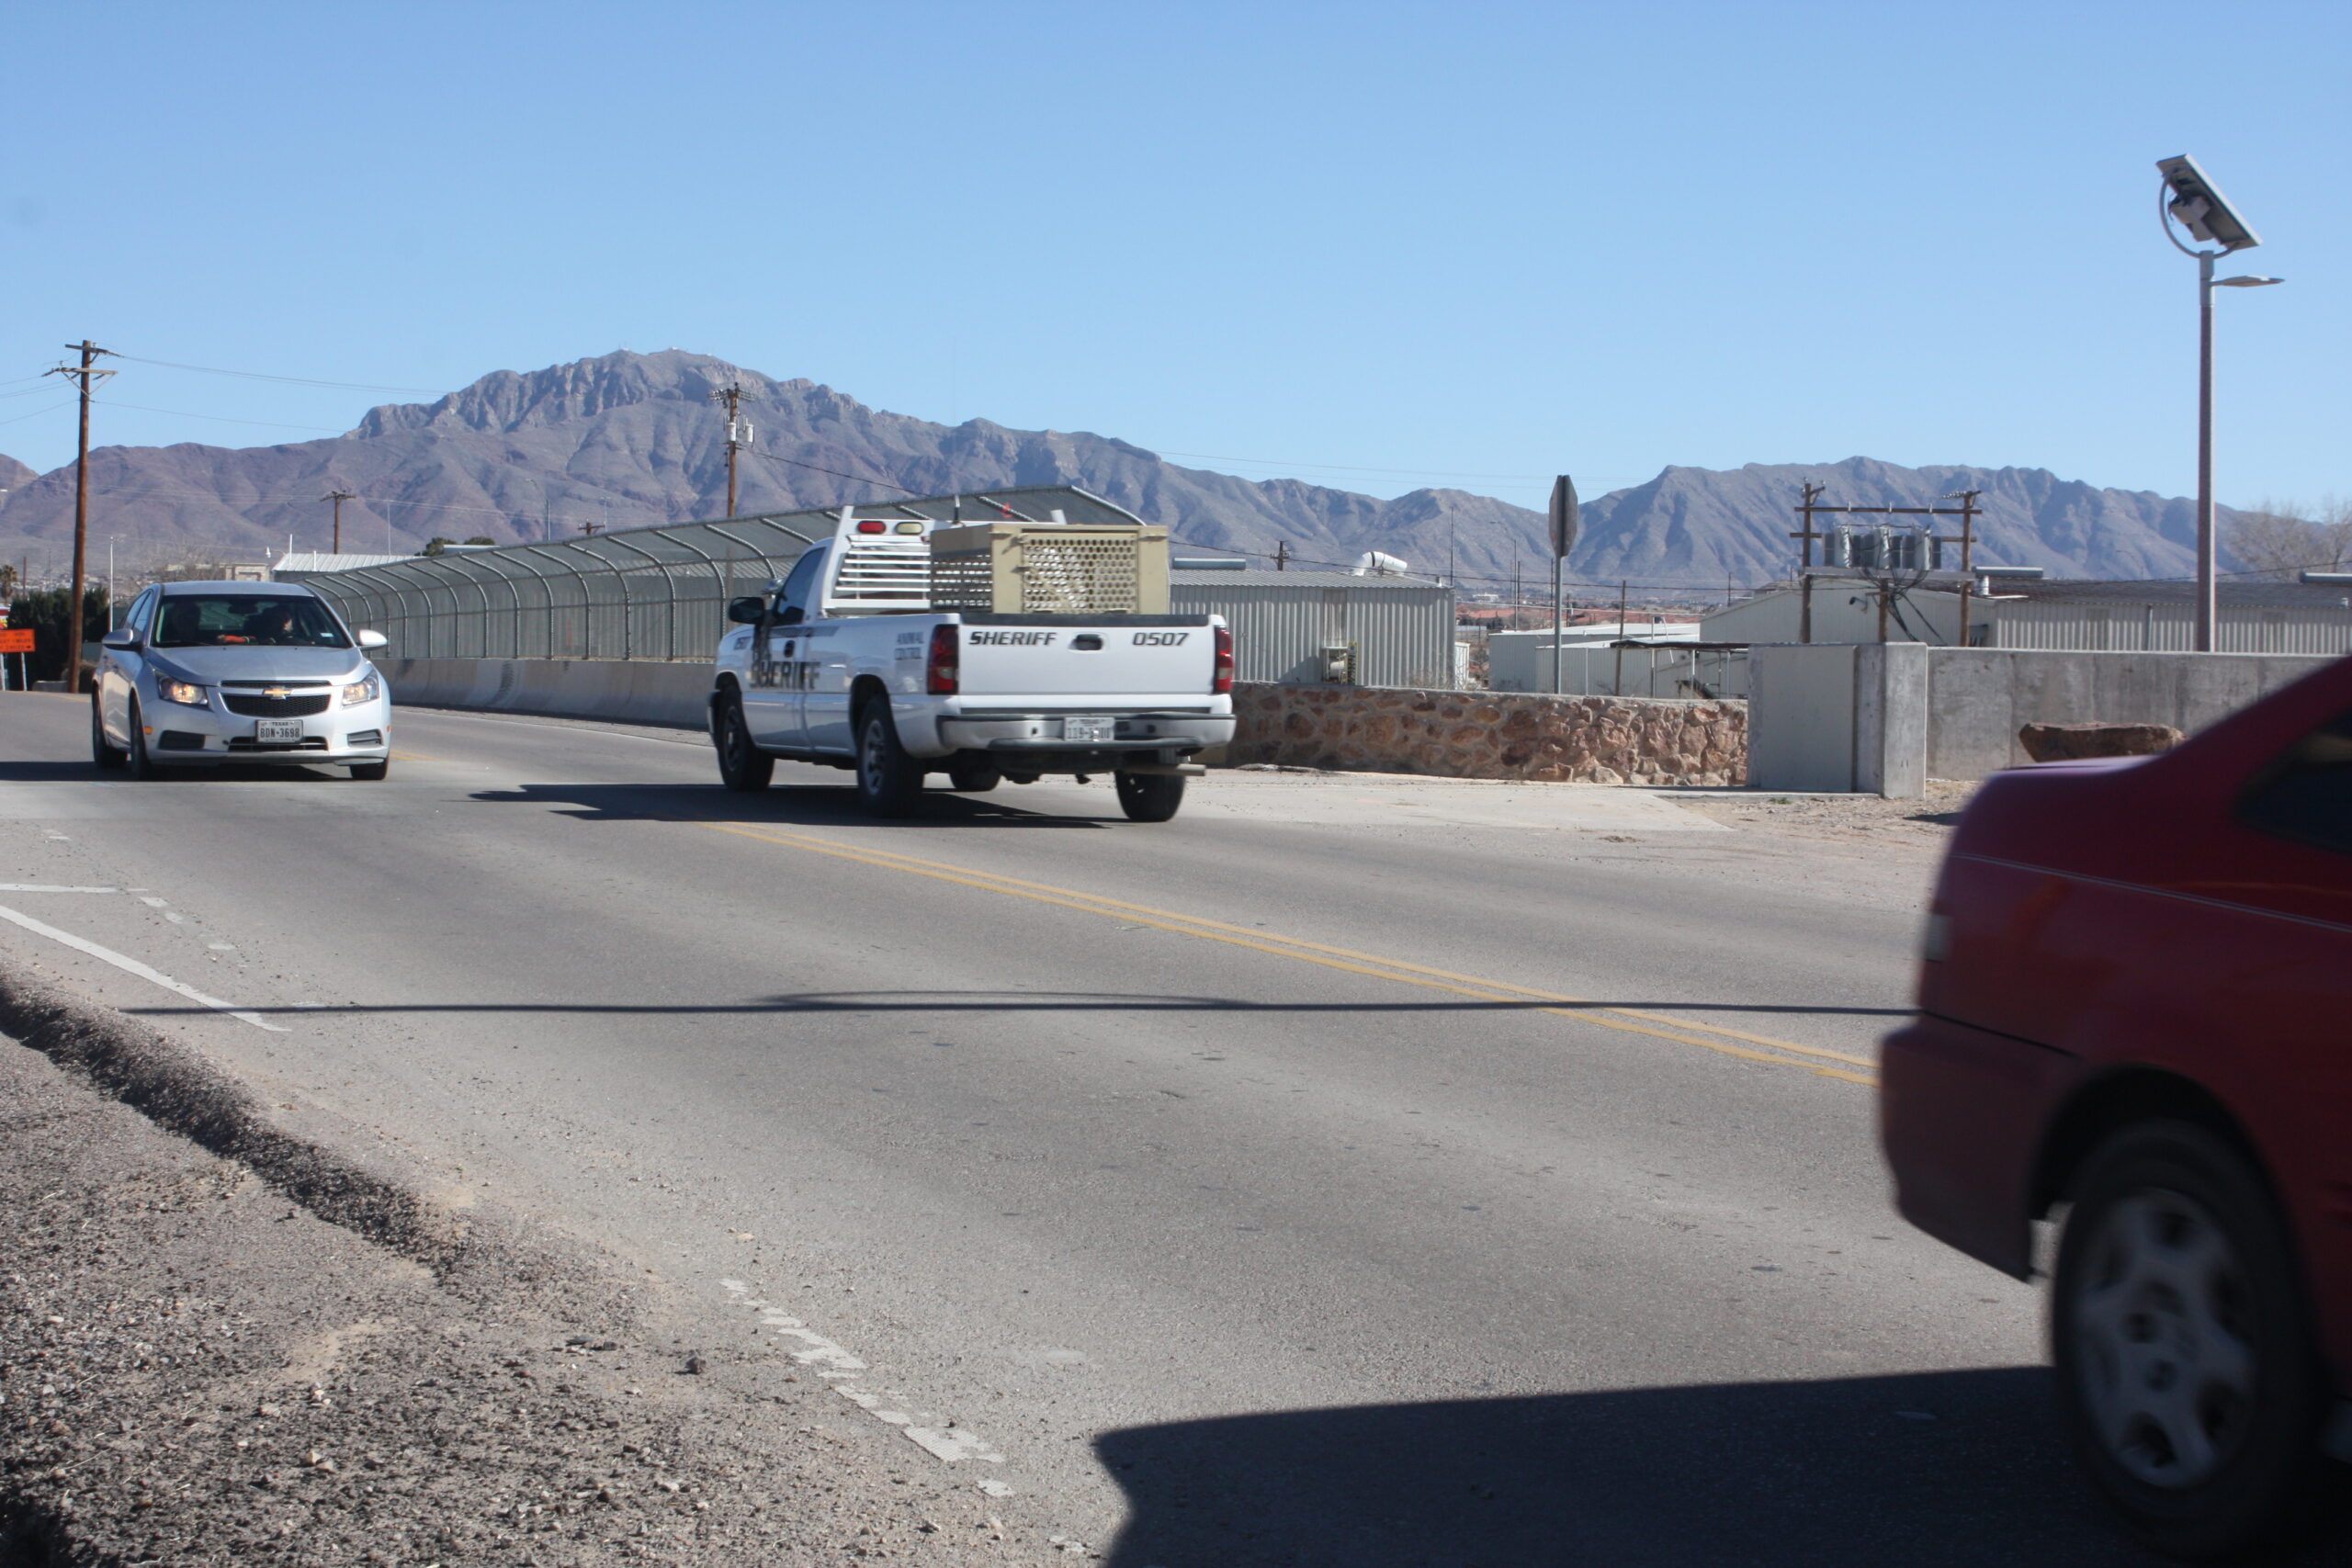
625 691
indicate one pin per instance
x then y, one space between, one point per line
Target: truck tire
973 778
2189 1371
1149 797
743 766
103 752
888 782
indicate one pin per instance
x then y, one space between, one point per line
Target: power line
221 419
290 380
1354 468
38 412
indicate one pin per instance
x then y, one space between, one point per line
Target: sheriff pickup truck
844 661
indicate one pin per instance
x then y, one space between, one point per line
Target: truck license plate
277 732
1090 731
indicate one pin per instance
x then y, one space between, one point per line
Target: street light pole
2192 200
2208 603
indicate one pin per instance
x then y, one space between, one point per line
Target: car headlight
187 693
367 691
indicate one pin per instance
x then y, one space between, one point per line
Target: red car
2135 1009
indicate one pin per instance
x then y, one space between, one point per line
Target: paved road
1351 1171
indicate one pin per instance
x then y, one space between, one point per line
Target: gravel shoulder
196 1369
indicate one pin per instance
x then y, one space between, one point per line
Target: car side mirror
374 640
121 636
746 612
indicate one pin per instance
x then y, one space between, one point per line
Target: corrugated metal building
2252 617
1399 630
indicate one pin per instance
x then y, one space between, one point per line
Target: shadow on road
1942 1468
785 805
854 1002
21 770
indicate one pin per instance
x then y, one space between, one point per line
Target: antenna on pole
739 434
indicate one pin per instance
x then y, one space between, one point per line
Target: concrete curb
183 1093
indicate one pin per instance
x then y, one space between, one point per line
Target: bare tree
2278 539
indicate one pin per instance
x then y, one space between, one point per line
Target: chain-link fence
633 593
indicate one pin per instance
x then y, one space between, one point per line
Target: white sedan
202 673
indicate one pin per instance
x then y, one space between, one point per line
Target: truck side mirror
746 612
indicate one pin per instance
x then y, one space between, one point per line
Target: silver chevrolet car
202 673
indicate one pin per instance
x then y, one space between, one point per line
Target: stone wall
1492 735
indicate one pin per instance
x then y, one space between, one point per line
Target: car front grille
308 743
254 705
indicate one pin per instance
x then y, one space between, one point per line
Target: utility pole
88 375
739 431
338 496
1281 555
1805 590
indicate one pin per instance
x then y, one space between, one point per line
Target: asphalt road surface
1352 1172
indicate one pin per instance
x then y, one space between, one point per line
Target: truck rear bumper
1048 733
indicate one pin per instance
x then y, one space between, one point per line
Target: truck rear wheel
1150 797
888 780
973 778
743 766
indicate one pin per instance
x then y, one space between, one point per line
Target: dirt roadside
221 1345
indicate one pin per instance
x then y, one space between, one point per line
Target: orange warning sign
19 639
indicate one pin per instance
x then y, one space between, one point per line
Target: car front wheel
103 752
142 761
2187 1370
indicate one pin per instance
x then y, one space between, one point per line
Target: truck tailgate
1063 659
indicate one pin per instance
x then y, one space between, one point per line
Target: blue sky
1374 245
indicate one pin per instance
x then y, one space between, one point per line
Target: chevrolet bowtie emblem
276 694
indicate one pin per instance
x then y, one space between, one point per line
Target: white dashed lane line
847 1376
130 965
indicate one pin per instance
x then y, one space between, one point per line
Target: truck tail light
943 676
872 526
1221 672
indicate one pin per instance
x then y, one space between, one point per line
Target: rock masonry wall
1492 735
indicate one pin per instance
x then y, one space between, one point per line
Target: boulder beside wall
2064 742
1492 735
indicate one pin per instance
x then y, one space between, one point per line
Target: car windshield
264 620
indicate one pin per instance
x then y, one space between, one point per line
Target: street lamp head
2198 205
2248 281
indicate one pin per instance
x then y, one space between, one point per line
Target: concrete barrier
1883 717
625 691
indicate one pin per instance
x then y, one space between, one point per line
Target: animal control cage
1051 569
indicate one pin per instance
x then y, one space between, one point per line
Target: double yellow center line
1632 1020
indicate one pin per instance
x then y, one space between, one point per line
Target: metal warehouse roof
2150 590
1264 578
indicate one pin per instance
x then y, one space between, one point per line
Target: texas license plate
277 732
1090 731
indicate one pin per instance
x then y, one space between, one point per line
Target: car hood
210 666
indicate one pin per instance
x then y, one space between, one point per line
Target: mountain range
629 439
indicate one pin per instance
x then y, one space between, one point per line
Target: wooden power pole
338 497
88 375
739 431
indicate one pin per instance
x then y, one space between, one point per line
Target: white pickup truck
845 662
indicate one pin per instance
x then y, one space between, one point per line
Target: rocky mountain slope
631 439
